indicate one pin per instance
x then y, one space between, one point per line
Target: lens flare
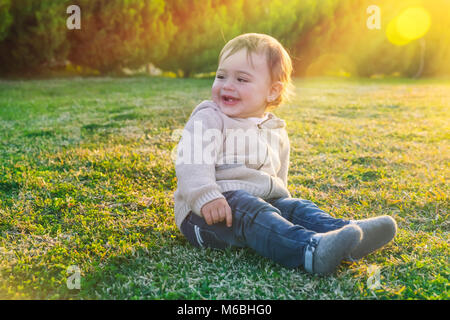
411 24
393 35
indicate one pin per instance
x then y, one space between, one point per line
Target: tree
158 32
120 33
32 35
5 18
203 29
342 43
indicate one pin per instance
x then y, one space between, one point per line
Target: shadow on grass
96 126
176 270
39 133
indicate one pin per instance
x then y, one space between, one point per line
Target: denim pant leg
306 214
257 225
202 235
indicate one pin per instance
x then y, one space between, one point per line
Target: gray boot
325 251
377 232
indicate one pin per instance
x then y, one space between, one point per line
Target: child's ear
275 91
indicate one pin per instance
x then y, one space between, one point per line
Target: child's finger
207 217
221 214
229 216
215 215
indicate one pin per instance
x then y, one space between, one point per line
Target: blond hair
278 60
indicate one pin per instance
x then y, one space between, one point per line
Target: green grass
86 179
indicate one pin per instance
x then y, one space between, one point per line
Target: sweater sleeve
197 152
284 159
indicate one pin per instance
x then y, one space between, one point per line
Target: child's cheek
215 99
215 94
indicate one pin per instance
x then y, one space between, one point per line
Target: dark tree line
186 36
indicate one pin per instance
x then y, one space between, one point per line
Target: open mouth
229 99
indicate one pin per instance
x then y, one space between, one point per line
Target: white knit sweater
217 154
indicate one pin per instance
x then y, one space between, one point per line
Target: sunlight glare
411 24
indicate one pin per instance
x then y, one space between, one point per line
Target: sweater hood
272 122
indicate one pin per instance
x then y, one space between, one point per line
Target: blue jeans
279 229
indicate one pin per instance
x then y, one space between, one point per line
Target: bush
5 18
117 34
34 35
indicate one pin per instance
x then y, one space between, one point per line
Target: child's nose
228 85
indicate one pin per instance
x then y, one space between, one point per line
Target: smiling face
242 89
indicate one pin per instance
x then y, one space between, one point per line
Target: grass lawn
87 180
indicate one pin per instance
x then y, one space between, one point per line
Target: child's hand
217 211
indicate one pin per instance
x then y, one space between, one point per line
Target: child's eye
219 77
242 80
